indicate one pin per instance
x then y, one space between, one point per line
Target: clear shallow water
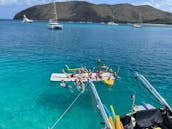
29 53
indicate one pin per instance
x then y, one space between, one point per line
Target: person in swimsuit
82 85
69 75
90 75
79 84
98 64
63 84
110 71
100 72
104 67
115 74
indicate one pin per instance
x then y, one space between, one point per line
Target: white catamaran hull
55 26
27 21
137 25
112 23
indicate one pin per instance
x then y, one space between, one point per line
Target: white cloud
25 2
161 4
21 2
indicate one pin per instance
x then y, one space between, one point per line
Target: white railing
153 90
100 106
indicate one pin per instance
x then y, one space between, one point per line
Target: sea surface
29 53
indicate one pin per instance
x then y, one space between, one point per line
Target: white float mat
62 76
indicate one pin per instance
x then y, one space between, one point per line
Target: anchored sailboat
139 24
136 25
112 23
113 20
53 23
26 20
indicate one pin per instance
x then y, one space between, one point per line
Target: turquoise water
29 53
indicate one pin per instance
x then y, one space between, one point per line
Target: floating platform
62 76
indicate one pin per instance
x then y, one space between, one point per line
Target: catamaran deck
62 76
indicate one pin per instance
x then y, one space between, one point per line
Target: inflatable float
109 82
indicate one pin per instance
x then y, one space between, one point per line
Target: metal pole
153 90
55 10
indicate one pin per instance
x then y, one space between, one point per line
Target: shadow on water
63 98
54 101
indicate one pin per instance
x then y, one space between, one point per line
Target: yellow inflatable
109 82
118 122
111 122
72 70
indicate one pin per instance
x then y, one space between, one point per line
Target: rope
57 121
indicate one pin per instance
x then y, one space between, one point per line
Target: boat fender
133 121
113 113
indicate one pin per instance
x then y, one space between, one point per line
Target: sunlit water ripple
29 53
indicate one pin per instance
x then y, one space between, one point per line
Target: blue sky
8 8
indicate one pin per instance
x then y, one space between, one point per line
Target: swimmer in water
63 84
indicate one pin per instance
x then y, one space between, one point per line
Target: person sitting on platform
79 84
110 71
69 75
90 75
115 74
100 72
82 85
104 67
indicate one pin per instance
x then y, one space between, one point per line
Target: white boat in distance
137 25
26 20
112 23
53 23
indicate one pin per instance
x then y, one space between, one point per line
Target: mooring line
57 121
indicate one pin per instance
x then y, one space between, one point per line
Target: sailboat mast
55 10
113 15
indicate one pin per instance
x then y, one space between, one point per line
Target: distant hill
88 12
